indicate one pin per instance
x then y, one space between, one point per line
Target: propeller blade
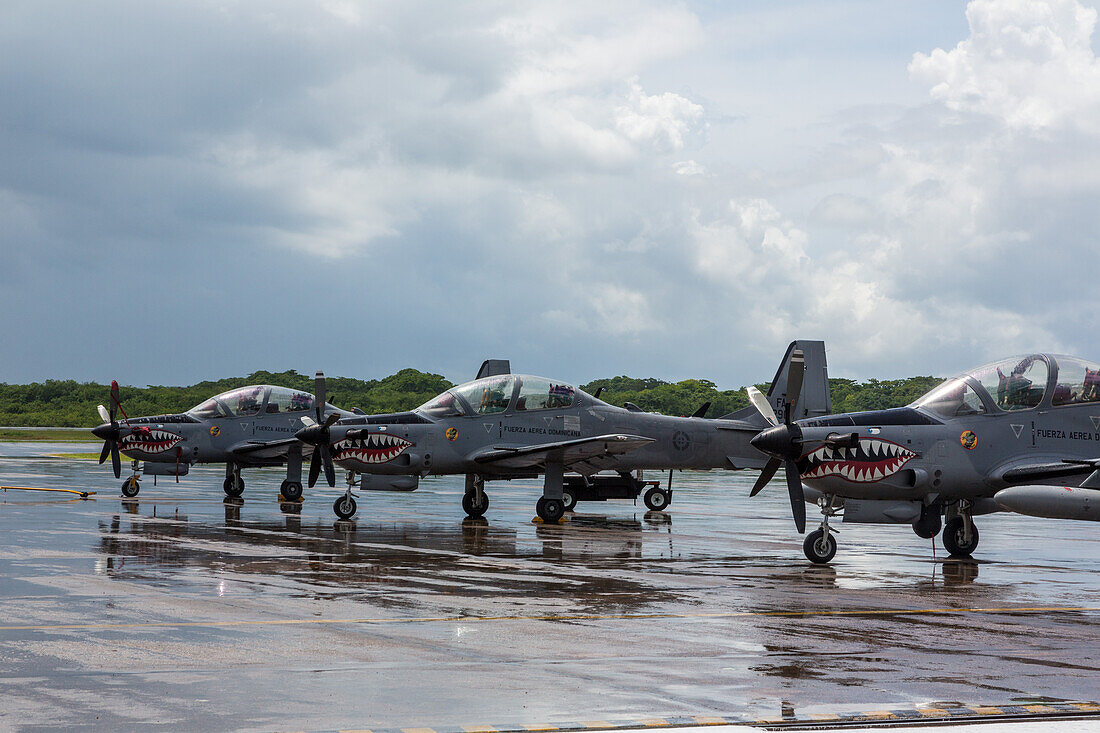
795 372
766 475
116 462
798 498
319 391
330 470
105 452
103 414
332 417
114 400
314 467
760 402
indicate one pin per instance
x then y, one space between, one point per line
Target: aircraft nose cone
775 441
103 432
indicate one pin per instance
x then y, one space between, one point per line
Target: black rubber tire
291 490
817 549
953 538
928 526
344 506
230 489
550 510
473 509
130 488
570 500
656 499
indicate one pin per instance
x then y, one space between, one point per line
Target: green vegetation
65 403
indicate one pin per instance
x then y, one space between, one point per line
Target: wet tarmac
191 612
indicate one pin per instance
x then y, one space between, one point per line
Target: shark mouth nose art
873 460
150 441
373 448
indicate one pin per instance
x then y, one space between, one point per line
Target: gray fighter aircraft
995 437
247 427
506 426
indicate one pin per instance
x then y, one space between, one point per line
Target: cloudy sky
676 189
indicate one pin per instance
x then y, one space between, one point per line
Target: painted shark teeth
149 441
872 460
372 448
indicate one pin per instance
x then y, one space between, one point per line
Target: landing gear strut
475 502
960 536
233 484
820 545
291 488
130 486
551 507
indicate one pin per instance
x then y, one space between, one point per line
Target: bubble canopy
1013 384
493 395
255 400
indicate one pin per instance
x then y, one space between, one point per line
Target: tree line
68 403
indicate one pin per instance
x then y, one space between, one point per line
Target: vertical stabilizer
815 399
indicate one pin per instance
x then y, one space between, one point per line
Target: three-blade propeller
316 433
110 431
783 441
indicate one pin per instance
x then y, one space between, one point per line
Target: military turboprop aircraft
505 426
245 427
1025 420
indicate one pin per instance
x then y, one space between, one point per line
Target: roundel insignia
680 441
969 439
451 433
214 431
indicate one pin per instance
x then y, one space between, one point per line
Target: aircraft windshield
953 398
487 396
444 405
208 410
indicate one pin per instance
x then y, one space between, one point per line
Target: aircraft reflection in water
507 426
1003 436
247 427
409 555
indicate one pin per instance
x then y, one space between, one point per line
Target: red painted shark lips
373 448
873 460
150 441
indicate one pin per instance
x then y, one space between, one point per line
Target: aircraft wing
584 455
1030 473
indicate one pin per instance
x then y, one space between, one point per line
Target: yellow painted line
879 714
708 720
38 488
933 712
651 722
552 617
540 726
1086 706
988 711
418 730
596 724
356 730
823 716
479 729
1041 709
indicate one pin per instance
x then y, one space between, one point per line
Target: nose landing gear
820 545
131 487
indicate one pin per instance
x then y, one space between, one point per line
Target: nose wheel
131 487
820 545
345 506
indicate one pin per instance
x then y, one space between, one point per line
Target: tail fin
814 400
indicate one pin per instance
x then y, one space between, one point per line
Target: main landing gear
475 502
551 506
291 488
233 484
960 536
820 545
